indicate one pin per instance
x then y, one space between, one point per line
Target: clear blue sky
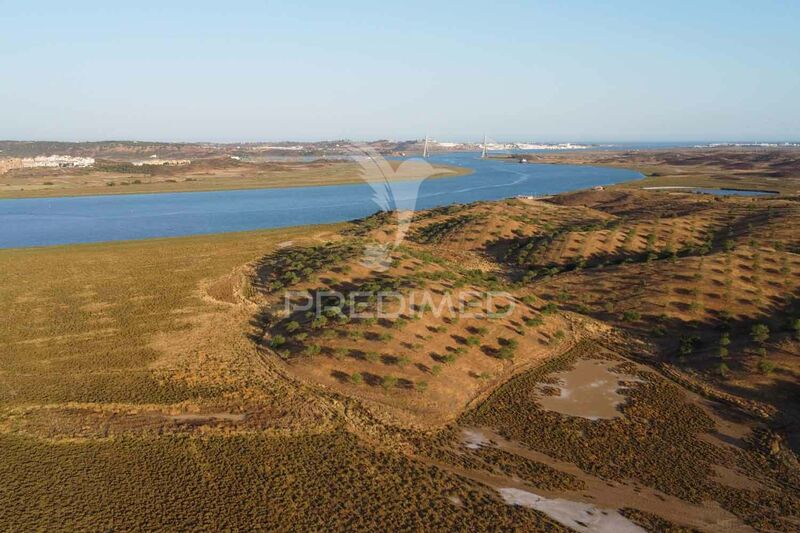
536 70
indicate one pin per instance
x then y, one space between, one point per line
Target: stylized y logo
394 190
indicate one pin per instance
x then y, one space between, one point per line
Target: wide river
49 221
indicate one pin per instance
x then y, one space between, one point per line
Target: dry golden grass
328 482
127 366
82 323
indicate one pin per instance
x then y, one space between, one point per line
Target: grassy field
94 335
314 482
127 366
203 175
83 323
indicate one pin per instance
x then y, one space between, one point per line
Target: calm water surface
50 221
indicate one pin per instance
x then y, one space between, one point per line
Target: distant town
24 155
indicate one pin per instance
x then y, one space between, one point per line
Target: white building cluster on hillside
45 161
512 146
57 161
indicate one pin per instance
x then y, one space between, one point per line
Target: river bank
51 221
723 168
204 176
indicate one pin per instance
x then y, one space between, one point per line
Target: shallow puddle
579 516
589 390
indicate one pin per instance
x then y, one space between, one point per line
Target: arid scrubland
128 366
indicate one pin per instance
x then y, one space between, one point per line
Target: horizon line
771 140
